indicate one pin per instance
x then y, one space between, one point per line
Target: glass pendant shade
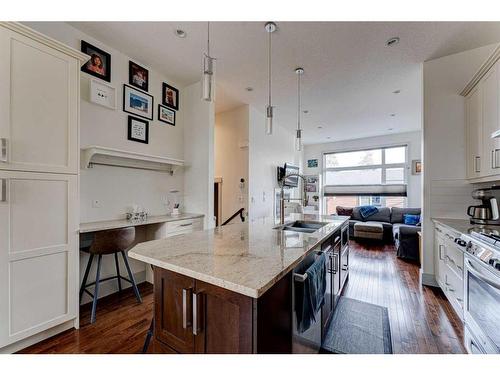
298 140
269 120
207 80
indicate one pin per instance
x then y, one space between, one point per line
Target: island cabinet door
173 310
222 320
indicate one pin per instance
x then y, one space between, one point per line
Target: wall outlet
96 203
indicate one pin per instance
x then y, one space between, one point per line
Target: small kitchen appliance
486 213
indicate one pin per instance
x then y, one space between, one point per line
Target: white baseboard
15 347
428 279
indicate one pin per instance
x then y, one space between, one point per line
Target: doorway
218 201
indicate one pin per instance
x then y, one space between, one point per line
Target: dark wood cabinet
173 310
196 317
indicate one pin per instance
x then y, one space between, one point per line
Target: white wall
265 154
117 188
412 139
199 124
446 192
231 158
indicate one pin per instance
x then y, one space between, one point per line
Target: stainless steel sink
301 226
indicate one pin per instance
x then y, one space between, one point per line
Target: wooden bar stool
106 243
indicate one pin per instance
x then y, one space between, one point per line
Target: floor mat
358 328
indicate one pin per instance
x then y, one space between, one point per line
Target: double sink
301 226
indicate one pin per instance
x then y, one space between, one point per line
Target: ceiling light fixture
208 77
320 127
298 138
270 28
396 91
180 33
249 89
305 111
392 115
392 42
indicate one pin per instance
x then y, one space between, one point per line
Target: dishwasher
309 341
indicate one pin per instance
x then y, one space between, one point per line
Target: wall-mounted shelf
97 155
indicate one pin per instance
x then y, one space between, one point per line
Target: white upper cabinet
482 116
39 104
474 133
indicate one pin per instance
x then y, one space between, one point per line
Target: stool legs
86 275
131 276
118 272
149 336
96 290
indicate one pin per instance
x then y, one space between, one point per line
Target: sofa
386 225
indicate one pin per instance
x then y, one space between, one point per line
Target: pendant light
270 28
207 79
298 137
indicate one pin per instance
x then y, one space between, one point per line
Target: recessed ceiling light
328 137
390 129
305 111
396 91
392 115
180 33
320 127
392 41
249 89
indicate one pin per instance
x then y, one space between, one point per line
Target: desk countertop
123 223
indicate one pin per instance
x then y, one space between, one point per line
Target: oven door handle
480 276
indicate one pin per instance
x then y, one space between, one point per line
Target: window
365 177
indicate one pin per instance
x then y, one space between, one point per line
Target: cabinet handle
477 166
196 305
441 252
4 148
438 230
185 322
495 158
492 159
335 263
3 186
186 225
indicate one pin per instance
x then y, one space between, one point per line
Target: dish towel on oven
311 296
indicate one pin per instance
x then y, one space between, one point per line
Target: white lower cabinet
449 269
38 249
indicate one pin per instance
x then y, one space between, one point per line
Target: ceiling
350 74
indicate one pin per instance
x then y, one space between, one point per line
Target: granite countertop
464 226
123 223
246 258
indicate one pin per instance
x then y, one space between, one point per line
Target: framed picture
170 96
312 163
138 76
102 94
137 102
138 130
166 115
99 64
416 167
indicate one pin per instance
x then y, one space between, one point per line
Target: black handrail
239 212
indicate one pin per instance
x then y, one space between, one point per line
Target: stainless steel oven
482 304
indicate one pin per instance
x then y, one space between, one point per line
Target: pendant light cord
298 101
269 69
208 38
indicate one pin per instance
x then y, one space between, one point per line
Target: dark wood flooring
422 321
421 318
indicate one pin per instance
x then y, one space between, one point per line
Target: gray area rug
358 328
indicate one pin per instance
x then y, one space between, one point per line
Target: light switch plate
96 203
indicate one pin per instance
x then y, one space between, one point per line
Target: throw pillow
344 211
410 219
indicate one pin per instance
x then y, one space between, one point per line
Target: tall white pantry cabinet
39 152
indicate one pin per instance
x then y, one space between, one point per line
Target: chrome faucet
282 198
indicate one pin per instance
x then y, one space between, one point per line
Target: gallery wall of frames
137 102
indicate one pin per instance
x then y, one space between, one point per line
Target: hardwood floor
422 321
421 318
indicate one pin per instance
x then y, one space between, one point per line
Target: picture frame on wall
102 94
166 115
170 96
138 130
99 64
416 167
137 102
138 76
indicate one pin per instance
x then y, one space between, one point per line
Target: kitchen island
230 289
